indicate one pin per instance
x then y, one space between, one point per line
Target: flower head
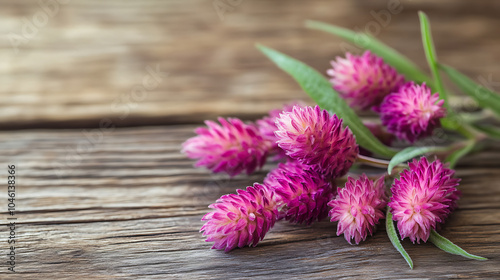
314 137
267 127
302 193
230 147
412 112
358 208
364 80
240 219
423 197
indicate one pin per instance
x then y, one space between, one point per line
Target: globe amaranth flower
378 131
412 112
364 80
302 193
267 127
314 137
358 207
231 147
423 197
242 219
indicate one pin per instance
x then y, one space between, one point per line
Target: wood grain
84 64
124 203
131 209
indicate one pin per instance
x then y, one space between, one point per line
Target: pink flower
314 137
230 147
240 219
364 80
412 112
422 197
302 193
358 208
267 127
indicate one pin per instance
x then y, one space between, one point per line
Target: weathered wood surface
131 209
128 205
84 63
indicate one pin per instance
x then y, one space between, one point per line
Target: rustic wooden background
124 203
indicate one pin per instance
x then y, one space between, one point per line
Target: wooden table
97 101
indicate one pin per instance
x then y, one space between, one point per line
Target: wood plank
132 208
84 63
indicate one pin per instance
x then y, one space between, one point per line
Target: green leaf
402 64
456 155
490 130
430 54
483 96
448 246
409 153
321 91
393 236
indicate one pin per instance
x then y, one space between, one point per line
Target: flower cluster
316 149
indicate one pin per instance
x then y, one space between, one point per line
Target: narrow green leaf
409 153
483 96
490 130
458 154
430 54
321 91
393 236
448 246
365 41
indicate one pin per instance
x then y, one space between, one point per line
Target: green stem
375 162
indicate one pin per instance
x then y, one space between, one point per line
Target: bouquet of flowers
315 146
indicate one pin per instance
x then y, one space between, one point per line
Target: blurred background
73 64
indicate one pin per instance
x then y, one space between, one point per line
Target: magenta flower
240 219
358 208
314 137
422 197
302 193
412 112
230 147
364 80
267 127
